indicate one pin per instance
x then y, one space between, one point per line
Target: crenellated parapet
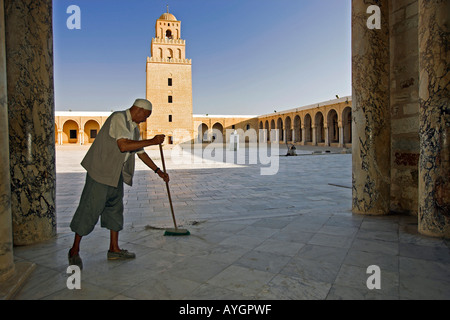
168 41
169 60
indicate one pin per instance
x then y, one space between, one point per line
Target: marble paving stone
163 287
338 230
366 259
293 236
260 232
244 280
276 223
264 261
331 240
120 277
376 246
197 269
380 224
283 287
368 234
345 221
323 254
210 292
339 292
42 283
311 269
424 268
88 292
356 277
243 241
440 254
223 253
285 248
156 261
415 287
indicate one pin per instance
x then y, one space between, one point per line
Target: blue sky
248 56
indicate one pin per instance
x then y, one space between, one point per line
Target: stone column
341 135
303 136
327 138
60 137
6 243
29 57
434 117
314 135
371 114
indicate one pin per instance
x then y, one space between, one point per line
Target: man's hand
163 176
159 139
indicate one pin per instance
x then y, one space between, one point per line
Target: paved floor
285 236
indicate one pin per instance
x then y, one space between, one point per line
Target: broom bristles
177 232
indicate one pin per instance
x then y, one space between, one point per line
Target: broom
171 231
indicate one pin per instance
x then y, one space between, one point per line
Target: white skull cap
143 103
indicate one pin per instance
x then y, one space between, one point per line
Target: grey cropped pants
97 200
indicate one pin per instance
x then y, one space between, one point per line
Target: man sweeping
109 164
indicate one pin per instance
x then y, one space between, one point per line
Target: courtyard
286 236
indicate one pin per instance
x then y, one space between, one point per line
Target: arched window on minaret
170 53
169 34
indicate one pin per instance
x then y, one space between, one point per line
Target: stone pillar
327 138
314 135
6 243
434 116
371 113
303 139
341 135
60 137
29 57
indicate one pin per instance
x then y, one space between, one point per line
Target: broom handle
167 186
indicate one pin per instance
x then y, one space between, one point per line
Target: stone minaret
169 83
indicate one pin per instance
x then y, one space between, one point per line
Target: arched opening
169 54
272 131
266 126
347 124
169 34
308 128
280 129
320 129
202 132
261 135
297 129
288 129
70 132
333 127
91 128
217 135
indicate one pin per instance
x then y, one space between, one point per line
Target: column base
12 285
